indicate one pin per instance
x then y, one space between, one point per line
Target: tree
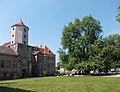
86 66
70 37
109 57
58 65
78 37
118 16
63 57
113 40
84 48
91 32
105 53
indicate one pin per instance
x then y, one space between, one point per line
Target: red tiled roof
7 51
42 49
46 50
6 44
20 23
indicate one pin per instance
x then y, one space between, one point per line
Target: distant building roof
20 23
42 49
46 50
35 49
36 52
6 44
7 51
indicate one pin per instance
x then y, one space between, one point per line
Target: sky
46 18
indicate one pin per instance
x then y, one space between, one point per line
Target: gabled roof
6 44
46 50
42 49
7 51
20 23
35 50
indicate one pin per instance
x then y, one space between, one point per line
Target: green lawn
62 84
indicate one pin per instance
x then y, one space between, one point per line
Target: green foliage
86 66
77 39
118 16
72 64
63 56
85 49
71 35
106 57
91 29
106 53
113 40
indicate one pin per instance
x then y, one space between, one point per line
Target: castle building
18 59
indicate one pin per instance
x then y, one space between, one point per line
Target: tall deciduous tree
113 39
63 57
84 48
118 16
91 32
109 57
78 37
105 53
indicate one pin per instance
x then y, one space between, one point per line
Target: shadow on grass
8 89
8 83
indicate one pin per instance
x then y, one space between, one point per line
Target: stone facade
44 62
8 67
18 59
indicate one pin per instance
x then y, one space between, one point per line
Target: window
24 29
24 42
12 41
13 28
24 36
48 57
13 35
2 64
8 64
14 64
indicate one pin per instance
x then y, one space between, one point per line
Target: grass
62 84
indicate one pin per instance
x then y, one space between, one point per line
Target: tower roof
20 23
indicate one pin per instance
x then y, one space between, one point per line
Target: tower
19 33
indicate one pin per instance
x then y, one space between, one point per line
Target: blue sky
46 18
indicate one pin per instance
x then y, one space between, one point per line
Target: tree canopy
118 16
84 48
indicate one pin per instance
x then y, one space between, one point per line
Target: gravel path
113 75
